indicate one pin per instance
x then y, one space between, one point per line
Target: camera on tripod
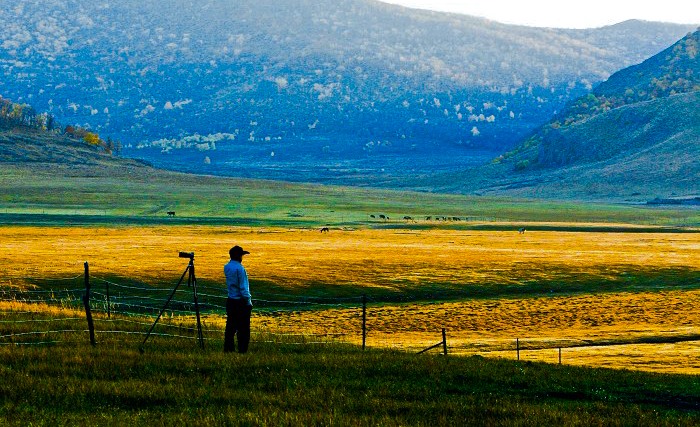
191 283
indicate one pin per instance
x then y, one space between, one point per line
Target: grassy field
175 383
550 289
613 285
76 195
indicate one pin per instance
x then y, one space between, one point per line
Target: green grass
174 383
145 195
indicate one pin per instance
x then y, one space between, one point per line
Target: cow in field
521 230
171 213
325 230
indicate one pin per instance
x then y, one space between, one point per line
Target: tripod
191 282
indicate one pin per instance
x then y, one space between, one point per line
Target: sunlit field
549 289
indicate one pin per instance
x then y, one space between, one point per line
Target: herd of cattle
427 218
405 218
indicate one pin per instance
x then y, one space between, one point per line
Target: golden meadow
549 289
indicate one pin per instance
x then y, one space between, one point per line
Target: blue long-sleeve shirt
237 281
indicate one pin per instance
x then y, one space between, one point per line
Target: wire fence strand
125 309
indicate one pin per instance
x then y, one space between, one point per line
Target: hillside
330 91
564 139
32 148
636 136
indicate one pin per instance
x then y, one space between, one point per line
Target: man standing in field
238 303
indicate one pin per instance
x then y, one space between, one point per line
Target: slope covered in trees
19 120
597 127
635 137
317 80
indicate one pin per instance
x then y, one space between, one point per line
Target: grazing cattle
171 213
372 216
325 230
408 218
521 230
382 216
428 218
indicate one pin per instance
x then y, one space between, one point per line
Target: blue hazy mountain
635 136
348 90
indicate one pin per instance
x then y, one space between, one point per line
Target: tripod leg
165 306
193 281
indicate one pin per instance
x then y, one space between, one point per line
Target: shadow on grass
562 283
314 295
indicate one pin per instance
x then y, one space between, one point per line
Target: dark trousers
237 321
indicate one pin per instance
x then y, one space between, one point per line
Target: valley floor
615 299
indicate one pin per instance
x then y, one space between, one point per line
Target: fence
109 308
118 311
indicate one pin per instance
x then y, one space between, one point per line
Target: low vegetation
580 275
548 288
174 383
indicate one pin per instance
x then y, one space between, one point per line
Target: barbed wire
158 334
56 319
36 300
304 298
135 322
48 279
266 303
23 312
49 291
58 331
141 288
32 343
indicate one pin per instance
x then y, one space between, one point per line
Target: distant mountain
303 89
635 136
595 127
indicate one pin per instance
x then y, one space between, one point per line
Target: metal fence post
364 321
86 303
109 310
444 342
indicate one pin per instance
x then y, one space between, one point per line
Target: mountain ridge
313 80
635 137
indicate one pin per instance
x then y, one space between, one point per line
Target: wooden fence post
364 321
444 342
560 355
86 303
517 347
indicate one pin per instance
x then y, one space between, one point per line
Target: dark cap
237 251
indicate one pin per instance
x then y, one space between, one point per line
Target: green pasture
175 383
145 195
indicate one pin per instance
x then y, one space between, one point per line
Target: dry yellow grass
367 258
354 261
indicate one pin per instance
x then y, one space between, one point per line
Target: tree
92 138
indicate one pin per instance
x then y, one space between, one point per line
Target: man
238 303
